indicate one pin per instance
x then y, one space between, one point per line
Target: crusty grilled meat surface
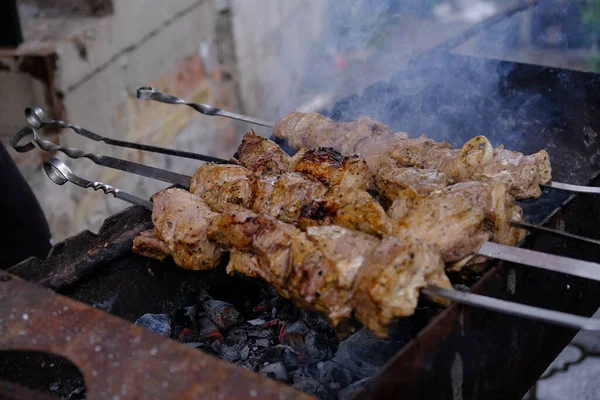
391 181
180 221
262 156
330 167
389 282
453 224
147 244
523 174
499 208
224 187
352 209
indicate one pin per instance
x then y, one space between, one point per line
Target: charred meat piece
330 167
388 284
352 209
454 225
290 192
148 244
223 187
262 156
498 205
522 174
180 221
391 181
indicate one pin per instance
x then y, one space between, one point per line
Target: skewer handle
149 93
60 174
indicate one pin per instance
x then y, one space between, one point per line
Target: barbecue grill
463 351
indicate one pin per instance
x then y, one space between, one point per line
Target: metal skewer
106 161
59 173
149 93
37 119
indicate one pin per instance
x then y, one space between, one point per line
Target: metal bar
573 188
515 309
555 232
116 358
537 259
149 93
37 119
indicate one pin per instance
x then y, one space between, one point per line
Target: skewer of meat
325 258
477 160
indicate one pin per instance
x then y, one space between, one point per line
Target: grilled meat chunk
391 181
388 284
412 152
522 174
290 192
262 156
224 187
180 221
148 244
454 225
314 130
498 205
352 209
330 167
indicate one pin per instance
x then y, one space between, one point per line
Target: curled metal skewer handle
37 119
149 93
60 174
516 309
106 161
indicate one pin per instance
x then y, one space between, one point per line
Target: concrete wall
166 44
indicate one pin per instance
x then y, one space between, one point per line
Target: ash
270 336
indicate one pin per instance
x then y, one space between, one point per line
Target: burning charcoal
304 372
316 321
258 332
217 346
157 323
333 376
306 385
292 334
349 392
315 349
263 307
238 335
275 371
364 354
290 359
184 318
231 352
274 353
257 321
223 314
187 335
244 352
207 330
262 342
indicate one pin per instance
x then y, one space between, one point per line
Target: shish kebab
373 140
265 227
488 249
390 178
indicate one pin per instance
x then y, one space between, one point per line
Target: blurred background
82 61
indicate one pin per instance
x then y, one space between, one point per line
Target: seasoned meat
314 130
442 160
262 190
498 205
147 244
262 156
454 225
290 192
180 220
330 167
522 174
324 267
412 152
269 239
392 181
388 284
352 209
224 187
375 149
